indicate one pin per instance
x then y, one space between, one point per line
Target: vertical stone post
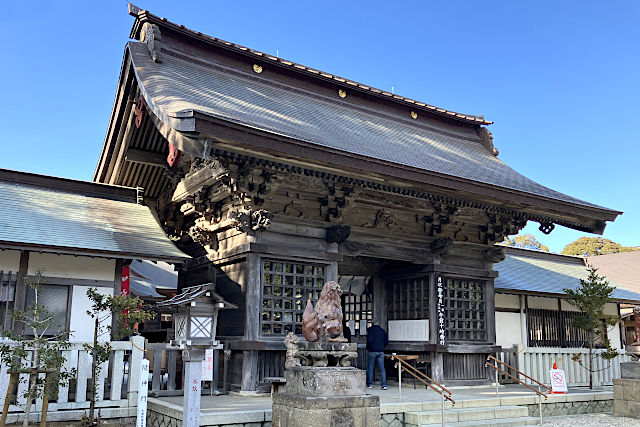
192 359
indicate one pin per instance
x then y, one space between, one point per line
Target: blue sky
559 79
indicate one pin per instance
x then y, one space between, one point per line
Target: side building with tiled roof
276 178
78 235
535 317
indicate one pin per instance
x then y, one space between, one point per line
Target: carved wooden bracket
338 233
495 254
332 204
441 246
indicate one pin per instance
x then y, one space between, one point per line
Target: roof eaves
91 252
143 16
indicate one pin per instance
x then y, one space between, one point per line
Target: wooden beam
21 289
146 158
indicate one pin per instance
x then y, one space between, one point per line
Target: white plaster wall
74 267
10 261
508 329
81 325
543 303
507 301
568 307
614 336
611 309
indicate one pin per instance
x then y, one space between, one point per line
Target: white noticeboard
143 392
409 330
558 381
207 365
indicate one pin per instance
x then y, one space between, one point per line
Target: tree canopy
585 246
525 241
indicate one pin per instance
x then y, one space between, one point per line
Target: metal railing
539 393
444 392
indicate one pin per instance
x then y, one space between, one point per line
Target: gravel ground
591 420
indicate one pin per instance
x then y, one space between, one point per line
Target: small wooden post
5 410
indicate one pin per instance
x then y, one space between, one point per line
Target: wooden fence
537 361
117 385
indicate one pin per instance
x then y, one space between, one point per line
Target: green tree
128 312
590 298
586 246
525 241
40 354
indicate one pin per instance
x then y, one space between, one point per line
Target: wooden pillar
380 301
490 313
21 289
437 366
253 303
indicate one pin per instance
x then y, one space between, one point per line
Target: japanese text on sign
143 391
440 311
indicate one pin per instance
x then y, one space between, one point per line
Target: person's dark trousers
376 358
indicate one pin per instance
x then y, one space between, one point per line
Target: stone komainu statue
324 323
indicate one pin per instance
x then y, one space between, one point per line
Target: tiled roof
177 87
539 272
623 268
67 221
135 11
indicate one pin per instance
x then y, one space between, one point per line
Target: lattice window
201 327
7 294
357 302
408 299
464 312
286 286
552 328
56 299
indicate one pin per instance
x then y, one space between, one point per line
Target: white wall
10 261
507 301
81 324
543 303
508 329
74 267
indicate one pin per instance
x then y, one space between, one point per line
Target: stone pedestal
192 359
325 396
626 391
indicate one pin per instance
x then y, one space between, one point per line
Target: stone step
499 422
464 414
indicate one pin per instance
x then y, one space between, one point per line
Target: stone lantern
195 320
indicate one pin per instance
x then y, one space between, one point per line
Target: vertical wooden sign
143 392
440 290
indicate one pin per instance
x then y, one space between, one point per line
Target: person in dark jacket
377 340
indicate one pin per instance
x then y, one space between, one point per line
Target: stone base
630 370
290 410
626 396
311 381
326 353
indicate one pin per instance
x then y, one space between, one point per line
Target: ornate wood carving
383 219
441 246
495 254
338 233
247 221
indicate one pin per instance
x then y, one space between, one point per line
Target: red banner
124 288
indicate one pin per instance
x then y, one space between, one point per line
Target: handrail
511 376
519 372
444 392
